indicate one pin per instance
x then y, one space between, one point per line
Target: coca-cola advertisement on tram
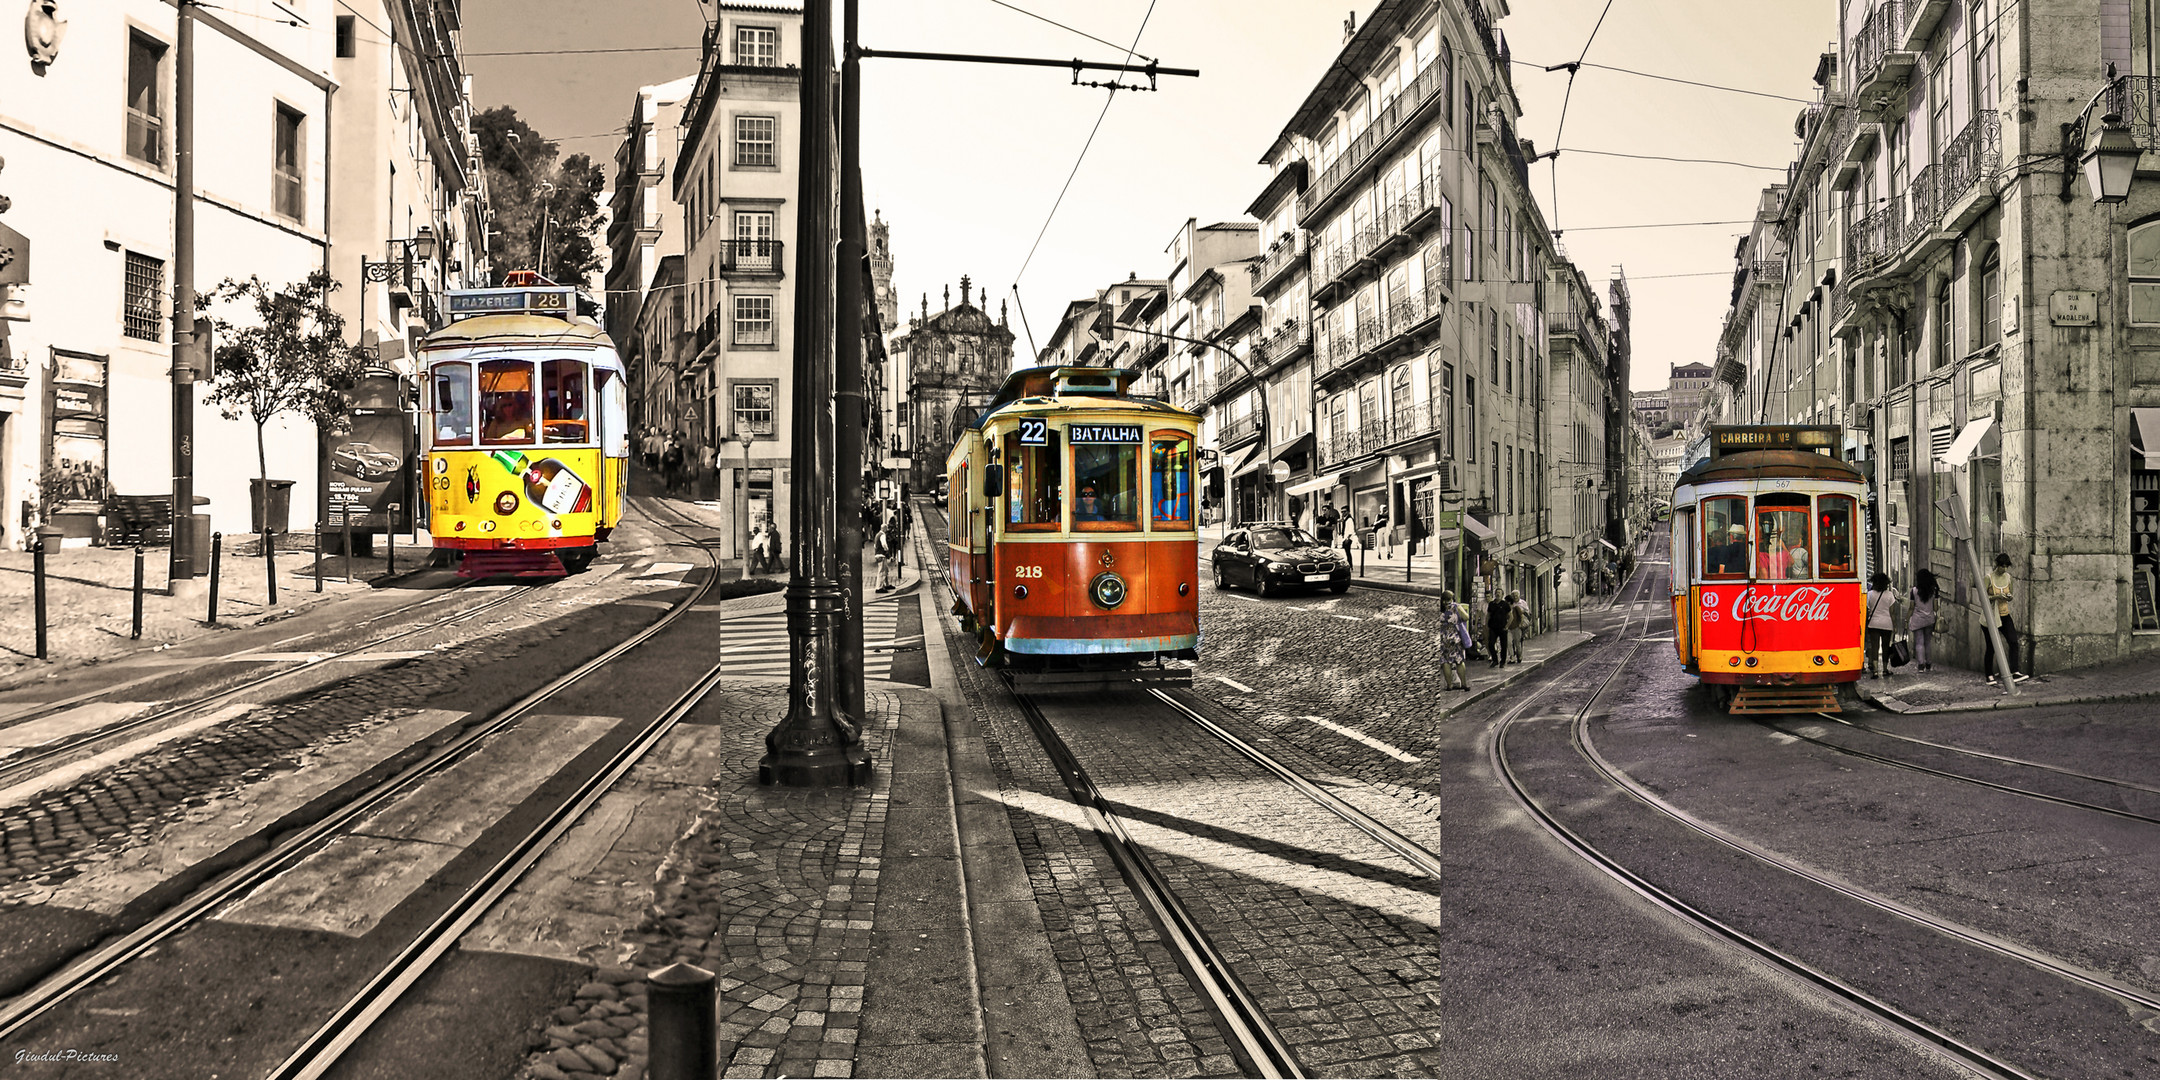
1778 616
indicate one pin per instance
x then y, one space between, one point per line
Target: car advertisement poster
370 469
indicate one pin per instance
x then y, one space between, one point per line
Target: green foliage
290 360
535 196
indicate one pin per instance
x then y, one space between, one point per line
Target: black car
1275 557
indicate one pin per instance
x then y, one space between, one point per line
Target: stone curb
1893 703
1477 693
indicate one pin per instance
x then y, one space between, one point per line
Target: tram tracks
453 914
1880 970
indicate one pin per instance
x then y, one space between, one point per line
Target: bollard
390 542
270 564
318 556
217 554
136 634
345 522
37 573
680 1036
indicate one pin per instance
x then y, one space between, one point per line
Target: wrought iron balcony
2135 98
1286 254
753 257
1392 118
1236 429
1880 62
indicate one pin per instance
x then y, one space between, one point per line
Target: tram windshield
1034 483
1170 472
1725 536
1106 487
1783 549
452 403
506 403
1836 514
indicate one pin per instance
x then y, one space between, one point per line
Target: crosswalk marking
757 645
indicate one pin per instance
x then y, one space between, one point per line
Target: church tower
888 304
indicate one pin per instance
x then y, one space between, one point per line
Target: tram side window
1034 484
1170 472
453 404
1784 550
1106 487
957 494
506 403
562 389
1836 514
1725 537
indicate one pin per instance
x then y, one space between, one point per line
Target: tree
536 197
292 361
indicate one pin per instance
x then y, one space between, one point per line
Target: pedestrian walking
2001 590
1921 619
888 551
1881 625
1324 524
1384 535
1496 628
707 459
1454 639
653 445
671 464
1518 624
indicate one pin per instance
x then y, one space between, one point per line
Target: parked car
1272 557
360 460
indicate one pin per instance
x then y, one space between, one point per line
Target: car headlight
1280 567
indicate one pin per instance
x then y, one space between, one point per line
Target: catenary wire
1110 95
1062 26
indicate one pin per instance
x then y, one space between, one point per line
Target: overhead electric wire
1062 26
1682 160
1110 95
1667 78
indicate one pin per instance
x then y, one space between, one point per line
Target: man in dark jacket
1324 524
1496 635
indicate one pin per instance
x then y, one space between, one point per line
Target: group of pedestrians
1884 607
888 524
671 457
1507 621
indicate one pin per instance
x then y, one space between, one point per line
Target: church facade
951 363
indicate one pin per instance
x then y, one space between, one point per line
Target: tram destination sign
500 301
1738 440
1085 434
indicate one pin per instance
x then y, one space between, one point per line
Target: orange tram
1074 554
1768 569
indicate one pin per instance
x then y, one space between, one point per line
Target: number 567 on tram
1768 565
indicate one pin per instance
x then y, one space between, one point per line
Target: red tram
1074 554
1768 566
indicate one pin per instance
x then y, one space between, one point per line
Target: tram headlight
1107 590
506 503
1818 661
1751 661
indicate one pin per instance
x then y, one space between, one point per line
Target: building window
757 46
288 183
2145 274
1447 80
1469 411
753 239
754 140
1944 355
1492 342
753 320
145 99
348 39
1990 321
143 317
754 409
1985 75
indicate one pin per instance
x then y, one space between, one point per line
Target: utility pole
184 556
848 375
818 743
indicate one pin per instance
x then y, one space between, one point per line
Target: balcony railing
2135 98
752 257
1238 427
1392 118
1909 217
1285 342
1972 156
1288 250
1379 433
1769 272
707 330
1581 326
1880 39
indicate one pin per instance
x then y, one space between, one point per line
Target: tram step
1786 699
527 564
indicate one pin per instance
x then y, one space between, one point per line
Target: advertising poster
370 469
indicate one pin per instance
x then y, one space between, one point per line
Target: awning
1299 446
1608 545
1542 554
2147 423
1248 462
1478 528
1328 481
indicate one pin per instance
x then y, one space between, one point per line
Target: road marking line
1247 599
402 654
1294 607
1235 685
1412 629
279 657
1345 618
665 568
1360 736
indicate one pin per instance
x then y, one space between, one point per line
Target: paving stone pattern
772 889
1139 1013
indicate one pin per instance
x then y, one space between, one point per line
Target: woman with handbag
1881 625
1922 620
1453 636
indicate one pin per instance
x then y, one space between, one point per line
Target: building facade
86 323
953 362
735 179
1946 263
644 227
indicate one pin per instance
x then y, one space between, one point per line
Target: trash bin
271 509
201 522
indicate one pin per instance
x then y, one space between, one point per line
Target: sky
966 161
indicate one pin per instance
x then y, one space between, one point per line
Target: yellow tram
526 434
1074 551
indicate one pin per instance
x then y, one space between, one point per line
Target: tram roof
1073 386
1769 464
520 329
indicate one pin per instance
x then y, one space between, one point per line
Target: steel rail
2110 781
87 968
1244 1021
52 707
2061 969
44 757
1922 1032
1411 851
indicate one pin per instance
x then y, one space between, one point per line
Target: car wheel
1267 588
1222 580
